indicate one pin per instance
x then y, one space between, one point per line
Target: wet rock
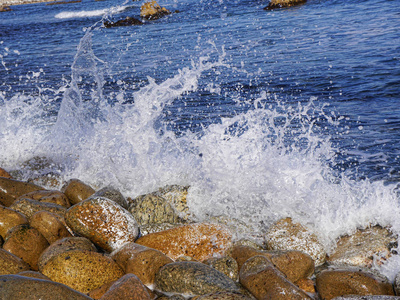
4 173
351 281
127 287
5 8
226 265
223 296
306 284
140 260
294 264
11 264
27 243
50 225
273 4
55 197
112 194
15 287
396 284
152 228
82 270
65 245
286 235
264 281
173 297
128 21
29 207
77 191
176 196
377 297
153 11
11 189
33 274
200 241
103 221
192 278
10 218
100 291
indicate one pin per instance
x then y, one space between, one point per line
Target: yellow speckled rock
200 241
226 265
283 3
11 264
10 218
152 10
29 207
82 270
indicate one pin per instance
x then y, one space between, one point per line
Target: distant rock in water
5 8
273 4
128 21
153 11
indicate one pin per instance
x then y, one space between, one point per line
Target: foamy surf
90 13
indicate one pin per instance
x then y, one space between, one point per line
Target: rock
65 245
11 264
200 241
27 243
273 4
222 296
152 11
10 218
50 225
29 207
11 189
4 173
5 8
286 235
112 194
47 196
264 281
192 278
33 274
294 264
362 247
355 297
351 281
128 21
176 196
103 221
306 284
396 284
82 270
140 260
226 265
15 287
77 191
173 297
100 291
127 287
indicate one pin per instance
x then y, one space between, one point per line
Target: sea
264 114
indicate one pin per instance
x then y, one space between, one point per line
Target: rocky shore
83 243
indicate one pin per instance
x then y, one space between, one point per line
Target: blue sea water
265 114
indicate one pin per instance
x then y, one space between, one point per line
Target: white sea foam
89 13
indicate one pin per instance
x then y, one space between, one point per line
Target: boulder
77 191
50 225
29 207
152 11
264 281
364 247
127 287
112 194
192 278
140 260
104 222
11 264
200 241
27 243
55 197
128 21
82 270
15 287
286 235
10 218
11 189
273 4
176 196
226 265
333 283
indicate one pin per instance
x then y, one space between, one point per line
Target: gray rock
112 194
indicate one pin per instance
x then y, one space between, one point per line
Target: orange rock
55 197
29 207
49 225
200 241
11 189
10 218
306 285
77 191
4 173
127 287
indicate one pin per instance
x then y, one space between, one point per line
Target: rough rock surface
264 281
55 197
362 247
11 264
223 296
15 287
103 221
77 191
226 265
4 173
33 274
200 241
50 225
127 287
286 235
128 21
192 278
11 189
273 4
82 270
176 196
355 297
29 207
10 218
152 11
112 194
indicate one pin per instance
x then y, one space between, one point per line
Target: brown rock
27 243
223 296
33 274
286 235
351 281
264 281
11 264
103 221
306 285
360 248
77 191
49 225
15 287
11 189
10 218
55 197
200 241
273 4
4 173
65 245
127 287
294 264
100 291
29 207
82 270
152 11
226 265
140 260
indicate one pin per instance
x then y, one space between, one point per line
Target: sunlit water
265 114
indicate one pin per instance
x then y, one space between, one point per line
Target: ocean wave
89 13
